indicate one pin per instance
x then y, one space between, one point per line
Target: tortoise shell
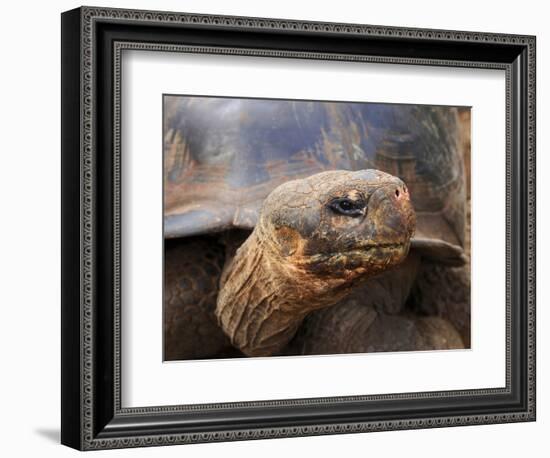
223 156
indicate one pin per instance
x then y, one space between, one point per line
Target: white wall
30 241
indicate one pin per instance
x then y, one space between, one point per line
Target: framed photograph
276 228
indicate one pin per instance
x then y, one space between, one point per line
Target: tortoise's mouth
364 248
363 259
370 246
385 254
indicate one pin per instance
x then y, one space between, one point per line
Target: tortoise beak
395 214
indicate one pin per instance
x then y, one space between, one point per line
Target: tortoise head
339 223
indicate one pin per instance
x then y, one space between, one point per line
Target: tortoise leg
436 333
445 292
376 318
191 274
353 327
411 333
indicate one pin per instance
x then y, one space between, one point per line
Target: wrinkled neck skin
264 296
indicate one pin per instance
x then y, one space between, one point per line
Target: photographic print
302 227
298 229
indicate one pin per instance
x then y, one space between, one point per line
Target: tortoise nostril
397 193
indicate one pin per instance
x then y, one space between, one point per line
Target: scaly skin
306 253
192 271
444 291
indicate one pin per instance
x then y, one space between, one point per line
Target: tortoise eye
347 207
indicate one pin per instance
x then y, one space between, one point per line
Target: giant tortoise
289 228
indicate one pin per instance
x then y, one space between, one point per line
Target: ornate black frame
92 42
